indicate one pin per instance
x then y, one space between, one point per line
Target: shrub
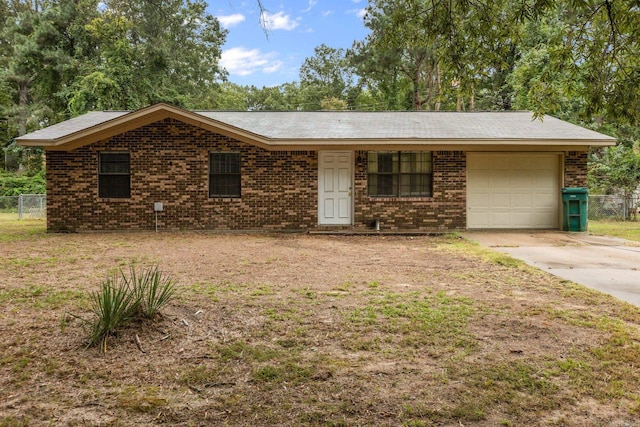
14 184
124 298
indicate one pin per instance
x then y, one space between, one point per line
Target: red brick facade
575 169
445 210
170 162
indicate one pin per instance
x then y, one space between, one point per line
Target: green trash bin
574 208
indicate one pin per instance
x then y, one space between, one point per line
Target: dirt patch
311 330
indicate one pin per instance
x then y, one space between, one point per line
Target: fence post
20 205
625 208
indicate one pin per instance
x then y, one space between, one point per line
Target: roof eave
437 144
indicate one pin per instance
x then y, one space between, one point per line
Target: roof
326 129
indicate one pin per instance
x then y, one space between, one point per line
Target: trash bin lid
575 190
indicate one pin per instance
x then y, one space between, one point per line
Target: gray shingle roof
423 125
412 126
74 125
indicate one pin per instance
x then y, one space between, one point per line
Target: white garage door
506 190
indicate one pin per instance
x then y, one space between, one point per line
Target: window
399 173
224 175
114 175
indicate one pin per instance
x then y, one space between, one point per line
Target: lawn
624 229
310 330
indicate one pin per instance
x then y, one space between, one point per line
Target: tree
615 170
150 51
536 78
399 49
601 43
38 59
381 73
224 96
474 45
39 55
333 104
327 74
446 50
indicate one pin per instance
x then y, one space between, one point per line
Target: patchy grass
460 246
301 330
40 297
24 229
629 230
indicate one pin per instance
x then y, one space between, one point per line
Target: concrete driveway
607 264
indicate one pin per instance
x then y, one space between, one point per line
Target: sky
294 29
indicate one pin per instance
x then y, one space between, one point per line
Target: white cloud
360 13
327 13
311 4
242 61
231 20
274 67
279 21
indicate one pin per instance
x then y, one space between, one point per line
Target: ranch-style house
166 167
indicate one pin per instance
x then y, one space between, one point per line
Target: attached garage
513 190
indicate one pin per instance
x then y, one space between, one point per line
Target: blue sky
295 28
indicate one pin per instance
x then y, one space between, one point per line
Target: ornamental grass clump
124 298
153 290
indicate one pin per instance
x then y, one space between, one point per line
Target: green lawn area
624 229
14 229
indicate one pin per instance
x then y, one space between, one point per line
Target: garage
513 190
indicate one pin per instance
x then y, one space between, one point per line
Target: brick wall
445 210
169 164
575 169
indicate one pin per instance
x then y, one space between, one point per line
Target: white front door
335 182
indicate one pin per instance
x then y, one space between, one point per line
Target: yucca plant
123 298
113 306
153 290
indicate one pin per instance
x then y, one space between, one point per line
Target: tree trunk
439 87
417 105
472 100
23 91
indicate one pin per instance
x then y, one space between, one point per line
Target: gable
96 126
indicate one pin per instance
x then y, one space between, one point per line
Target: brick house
308 171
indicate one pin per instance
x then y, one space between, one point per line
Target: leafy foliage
65 57
149 52
326 75
16 184
615 170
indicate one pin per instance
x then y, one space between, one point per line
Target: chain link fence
25 205
600 207
613 207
